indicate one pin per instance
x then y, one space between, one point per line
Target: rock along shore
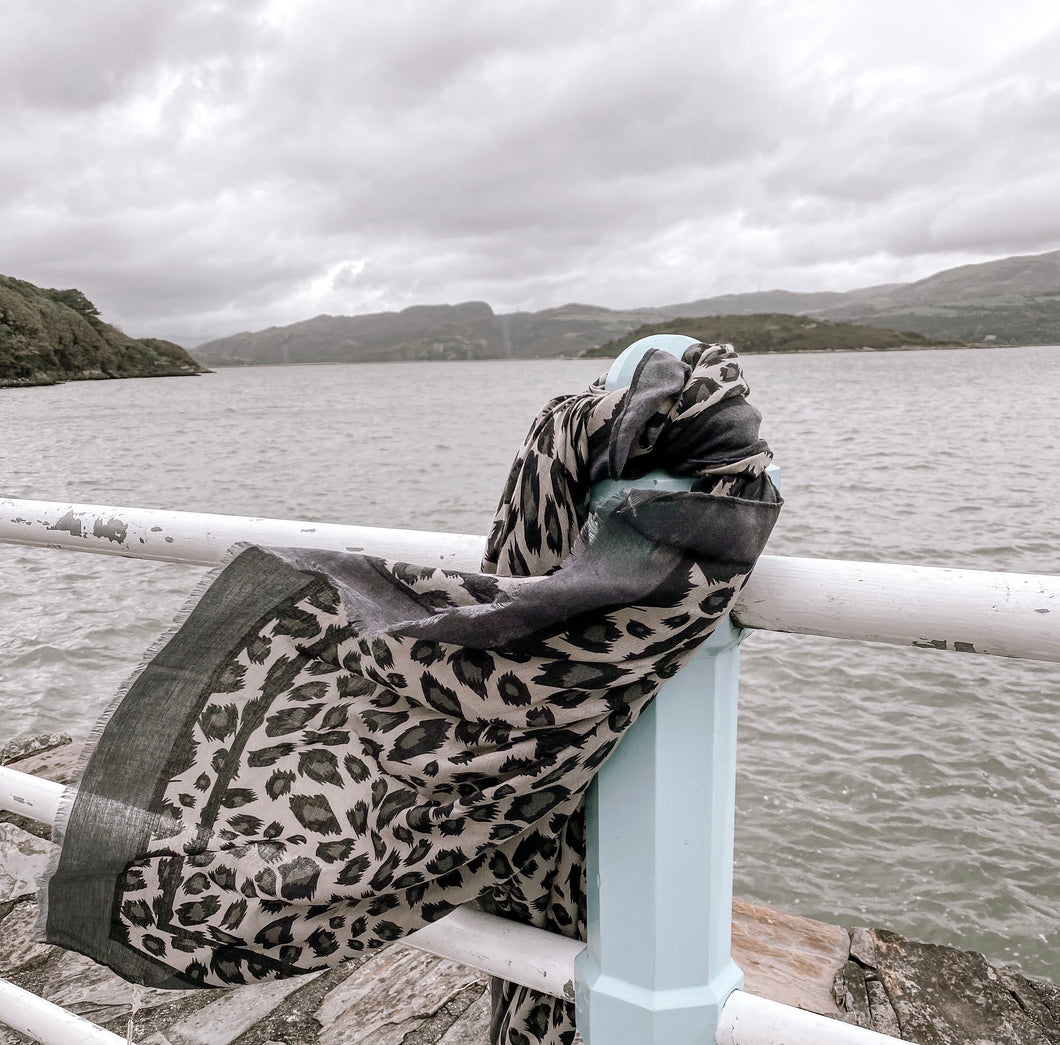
918 992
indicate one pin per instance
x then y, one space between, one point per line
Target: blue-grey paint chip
71 524
112 530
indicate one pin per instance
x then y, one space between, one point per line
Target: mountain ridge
1014 300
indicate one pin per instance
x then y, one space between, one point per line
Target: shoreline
48 382
216 365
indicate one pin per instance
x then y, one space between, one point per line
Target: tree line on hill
778 332
48 335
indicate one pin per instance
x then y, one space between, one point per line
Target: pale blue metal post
659 848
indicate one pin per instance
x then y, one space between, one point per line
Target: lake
908 789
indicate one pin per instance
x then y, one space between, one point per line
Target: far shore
215 365
221 365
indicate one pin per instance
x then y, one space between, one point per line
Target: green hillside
47 336
776 332
1008 320
1011 301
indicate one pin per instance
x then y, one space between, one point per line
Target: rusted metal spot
112 530
70 524
932 644
956 646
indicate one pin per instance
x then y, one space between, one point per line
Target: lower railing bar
528 956
531 957
44 1021
30 796
747 1019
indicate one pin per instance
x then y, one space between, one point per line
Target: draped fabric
334 750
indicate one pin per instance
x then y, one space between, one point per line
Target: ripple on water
909 789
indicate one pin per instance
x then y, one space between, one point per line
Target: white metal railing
958 610
665 977
44 1021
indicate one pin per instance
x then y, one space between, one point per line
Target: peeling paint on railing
204 539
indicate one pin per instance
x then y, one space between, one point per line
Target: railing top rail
966 611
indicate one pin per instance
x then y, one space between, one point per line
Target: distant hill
471 330
47 336
467 331
775 332
1012 301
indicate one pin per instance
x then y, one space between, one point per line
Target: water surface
903 788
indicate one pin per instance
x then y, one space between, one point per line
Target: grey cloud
237 165
81 56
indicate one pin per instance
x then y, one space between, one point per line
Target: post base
611 1011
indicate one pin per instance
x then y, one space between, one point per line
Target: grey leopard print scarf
335 750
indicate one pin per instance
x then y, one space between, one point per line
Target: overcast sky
202 167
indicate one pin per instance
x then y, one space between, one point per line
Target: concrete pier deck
400 996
